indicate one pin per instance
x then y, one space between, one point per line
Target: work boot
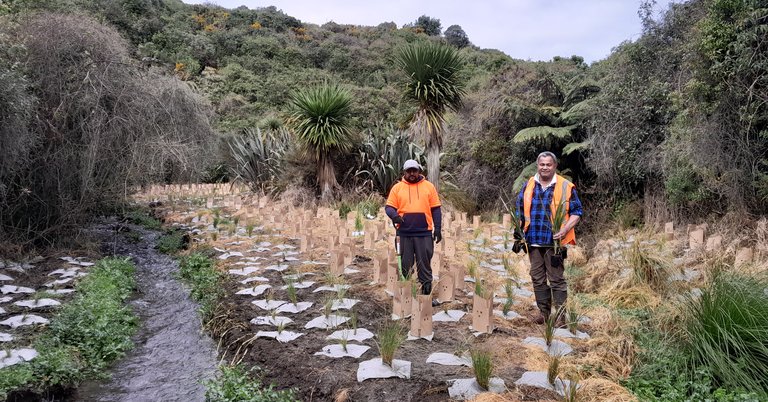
544 303
560 297
426 288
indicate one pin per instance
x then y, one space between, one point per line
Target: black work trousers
420 250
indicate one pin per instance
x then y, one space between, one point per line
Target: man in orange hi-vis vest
414 207
537 206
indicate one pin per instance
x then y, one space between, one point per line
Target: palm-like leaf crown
434 82
320 118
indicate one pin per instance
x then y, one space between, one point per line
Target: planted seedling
549 330
482 365
214 236
328 306
553 368
358 222
353 321
236 220
343 341
216 221
391 335
573 319
570 392
472 268
249 229
291 290
280 327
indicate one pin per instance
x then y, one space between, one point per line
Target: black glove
397 220
517 235
437 236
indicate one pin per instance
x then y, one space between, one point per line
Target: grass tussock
482 366
727 332
391 335
648 266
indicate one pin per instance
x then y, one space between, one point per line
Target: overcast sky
523 29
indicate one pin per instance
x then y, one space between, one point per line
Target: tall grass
727 331
391 335
648 266
482 366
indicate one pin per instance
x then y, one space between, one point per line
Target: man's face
546 167
412 175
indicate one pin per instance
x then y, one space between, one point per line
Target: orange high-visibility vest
563 190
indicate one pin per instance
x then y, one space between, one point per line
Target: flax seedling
327 306
517 227
236 220
358 222
343 341
482 365
249 229
549 330
292 295
558 220
280 327
553 368
573 318
353 321
214 236
571 391
391 335
216 221
472 268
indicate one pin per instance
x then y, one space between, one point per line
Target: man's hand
559 235
397 220
437 236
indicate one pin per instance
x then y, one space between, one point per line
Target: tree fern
543 134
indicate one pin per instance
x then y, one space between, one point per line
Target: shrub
171 242
238 385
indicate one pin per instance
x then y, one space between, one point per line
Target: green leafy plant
482 366
249 229
358 222
258 156
199 272
549 329
236 384
170 242
390 336
353 321
571 392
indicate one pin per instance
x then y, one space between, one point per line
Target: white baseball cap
410 164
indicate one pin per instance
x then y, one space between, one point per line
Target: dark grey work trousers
420 250
543 275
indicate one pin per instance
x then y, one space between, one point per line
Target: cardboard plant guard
401 303
482 314
421 316
380 269
445 288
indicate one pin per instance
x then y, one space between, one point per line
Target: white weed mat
557 348
358 335
337 351
24 320
323 322
539 379
449 359
14 356
39 303
448 316
282 337
294 308
467 388
374 368
254 291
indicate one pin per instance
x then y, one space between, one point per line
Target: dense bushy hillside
677 118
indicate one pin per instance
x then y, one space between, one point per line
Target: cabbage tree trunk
326 177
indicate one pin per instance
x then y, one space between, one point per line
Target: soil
319 378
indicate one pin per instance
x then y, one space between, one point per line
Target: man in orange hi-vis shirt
414 207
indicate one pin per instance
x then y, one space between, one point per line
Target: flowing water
171 355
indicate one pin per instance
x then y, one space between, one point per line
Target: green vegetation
390 336
199 272
482 366
87 335
235 384
721 354
142 217
171 242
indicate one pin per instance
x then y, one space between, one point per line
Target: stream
171 355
